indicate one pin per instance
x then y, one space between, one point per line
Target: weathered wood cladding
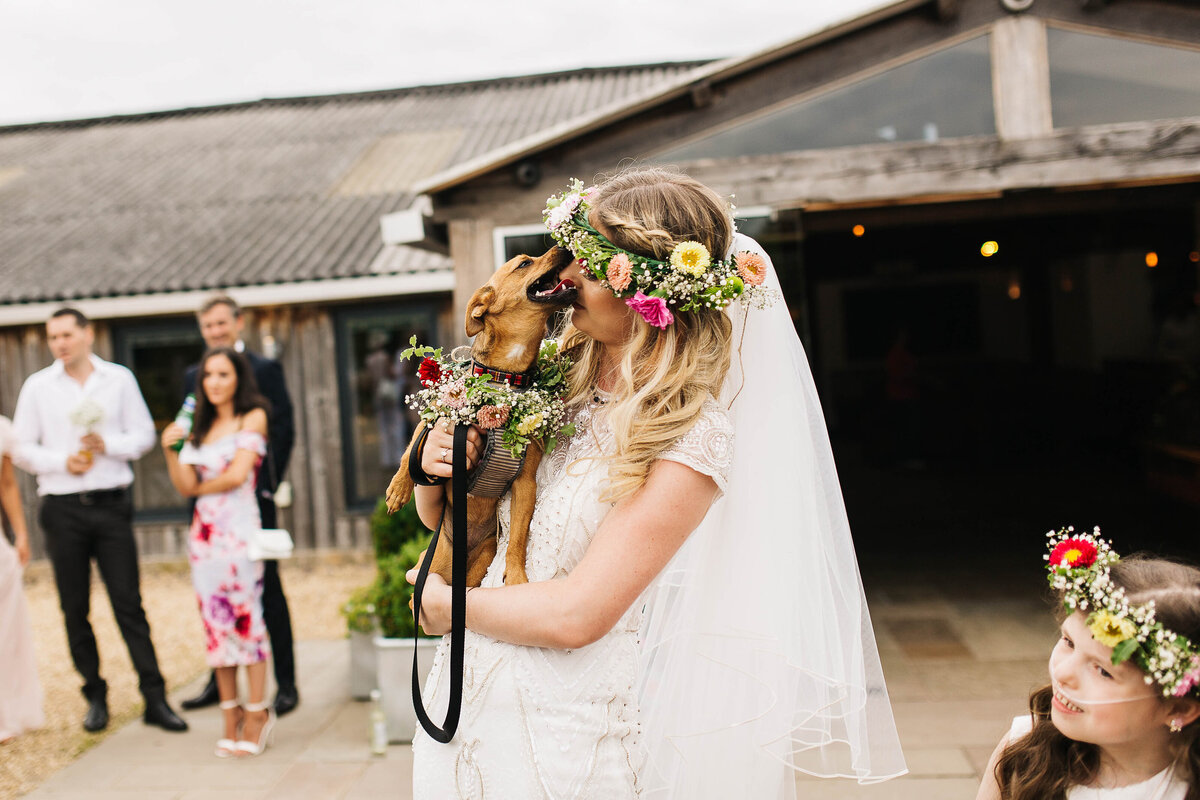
305 340
1123 154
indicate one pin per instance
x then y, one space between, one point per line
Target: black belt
95 496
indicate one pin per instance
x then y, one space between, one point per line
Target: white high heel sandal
247 748
227 748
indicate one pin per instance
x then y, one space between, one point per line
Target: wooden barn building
1003 193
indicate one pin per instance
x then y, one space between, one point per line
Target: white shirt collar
98 364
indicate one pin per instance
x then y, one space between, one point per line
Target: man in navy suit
221 325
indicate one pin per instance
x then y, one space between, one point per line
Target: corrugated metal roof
269 192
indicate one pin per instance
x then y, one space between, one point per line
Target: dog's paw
397 493
515 575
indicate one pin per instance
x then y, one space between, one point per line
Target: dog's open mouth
549 289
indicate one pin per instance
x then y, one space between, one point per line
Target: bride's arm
635 541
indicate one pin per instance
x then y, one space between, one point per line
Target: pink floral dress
228 584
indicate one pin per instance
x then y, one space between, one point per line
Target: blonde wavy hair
666 375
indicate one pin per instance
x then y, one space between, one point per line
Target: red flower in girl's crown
1073 553
429 372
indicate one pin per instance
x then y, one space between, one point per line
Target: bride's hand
435 603
439 447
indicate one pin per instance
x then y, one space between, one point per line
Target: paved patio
960 659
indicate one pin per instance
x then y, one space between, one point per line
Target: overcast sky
71 59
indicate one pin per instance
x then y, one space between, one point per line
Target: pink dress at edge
20 690
228 584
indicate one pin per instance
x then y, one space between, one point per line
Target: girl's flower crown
451 390
1079 567
689 279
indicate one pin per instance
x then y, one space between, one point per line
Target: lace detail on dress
707 447
544 723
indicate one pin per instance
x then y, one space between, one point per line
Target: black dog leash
458 598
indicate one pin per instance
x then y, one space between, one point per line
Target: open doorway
999 368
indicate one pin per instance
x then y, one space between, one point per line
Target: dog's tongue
562 286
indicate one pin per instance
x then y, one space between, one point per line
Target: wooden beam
1021 78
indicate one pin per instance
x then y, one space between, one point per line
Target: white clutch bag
270 544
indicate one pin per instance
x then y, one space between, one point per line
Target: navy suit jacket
281 427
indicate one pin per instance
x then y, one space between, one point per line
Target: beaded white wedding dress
543 723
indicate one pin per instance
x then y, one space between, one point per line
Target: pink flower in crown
455 395
492 417
588 193
751 267
653 309
620 272
1188 681
563 211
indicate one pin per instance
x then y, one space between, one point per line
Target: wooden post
471 250
1021 78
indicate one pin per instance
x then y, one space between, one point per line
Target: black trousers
275 609
80 528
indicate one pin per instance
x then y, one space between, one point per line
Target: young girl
694 625
1116 720
218 465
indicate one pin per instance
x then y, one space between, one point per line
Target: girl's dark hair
1044 764
245 399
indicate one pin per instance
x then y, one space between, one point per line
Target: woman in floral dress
218 466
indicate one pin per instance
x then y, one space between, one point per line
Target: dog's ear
477 307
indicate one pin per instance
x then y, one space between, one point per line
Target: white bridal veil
758 657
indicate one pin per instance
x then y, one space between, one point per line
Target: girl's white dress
544 723
1163 786
20 690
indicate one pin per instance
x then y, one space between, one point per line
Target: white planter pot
393 665
362 665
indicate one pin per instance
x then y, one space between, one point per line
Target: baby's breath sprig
450 390
1080 568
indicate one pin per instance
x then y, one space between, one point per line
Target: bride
694 625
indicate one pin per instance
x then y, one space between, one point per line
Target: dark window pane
1098 79
376 424
533 244
158 354
946 94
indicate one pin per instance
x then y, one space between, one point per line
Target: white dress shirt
45 436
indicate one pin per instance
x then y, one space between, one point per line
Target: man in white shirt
78 424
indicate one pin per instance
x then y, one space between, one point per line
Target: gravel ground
316 585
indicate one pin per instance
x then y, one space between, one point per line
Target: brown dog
507 316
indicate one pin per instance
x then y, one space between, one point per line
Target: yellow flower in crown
690 257
1109 629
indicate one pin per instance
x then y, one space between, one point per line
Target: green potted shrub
389 534
395 643
362 626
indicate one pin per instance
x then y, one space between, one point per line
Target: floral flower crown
689 279
452 390
1079 567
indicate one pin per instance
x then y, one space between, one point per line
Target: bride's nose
571 270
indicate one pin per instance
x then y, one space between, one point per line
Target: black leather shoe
208 696
96 718
160 714
286 700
